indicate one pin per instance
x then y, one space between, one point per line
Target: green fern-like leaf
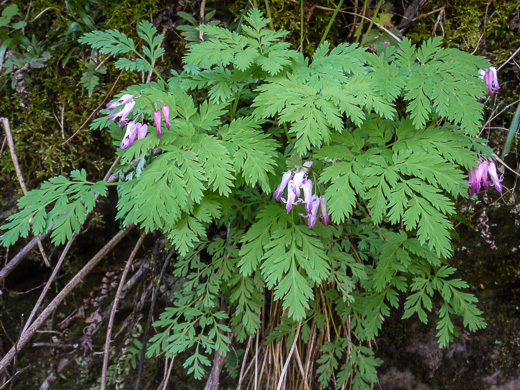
69 200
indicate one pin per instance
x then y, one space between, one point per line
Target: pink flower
129 138
492 170
299 177
166 111
281 188
491 79
291 197
307 192
125 99
142 130
124 112
313 214
324 215
157 118
479 175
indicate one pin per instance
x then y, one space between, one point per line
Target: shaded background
50 85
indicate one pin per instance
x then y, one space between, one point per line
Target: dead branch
49 282
114 309
15 261
286 365
24 338
69 358
214 376
241 377
149 320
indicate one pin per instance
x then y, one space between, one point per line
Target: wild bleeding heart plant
377 146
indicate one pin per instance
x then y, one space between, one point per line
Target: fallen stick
149 320
114 309
20 256
24 338
70 357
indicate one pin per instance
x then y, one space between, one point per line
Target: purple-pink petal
291 196
157 119
126 110
124 100
166 112
313 214
281 188
307 192
490 77
492 170
130 134
142 130
325 218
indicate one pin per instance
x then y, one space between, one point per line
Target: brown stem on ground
25 337
69 358
214 377
15 261
149 320
114 309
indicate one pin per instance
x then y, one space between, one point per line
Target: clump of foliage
390 137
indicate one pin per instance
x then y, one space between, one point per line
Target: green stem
235 104
330 22
371 20
332 320
301 26
362 19
244 13
287 134
115 183
269 14
241 210
153 67
154 104
512 132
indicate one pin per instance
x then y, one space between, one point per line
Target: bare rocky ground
488 359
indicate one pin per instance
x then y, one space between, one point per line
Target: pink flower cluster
295 183
479 175
135 129
491 79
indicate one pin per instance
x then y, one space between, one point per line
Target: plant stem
77 279
114 309
19 174
371 20
362 17
235 103
149 320
269 14
330 22
287 134
301 26
512 132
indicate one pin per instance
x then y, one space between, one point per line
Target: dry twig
114 309
149 320
25 337
286 365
